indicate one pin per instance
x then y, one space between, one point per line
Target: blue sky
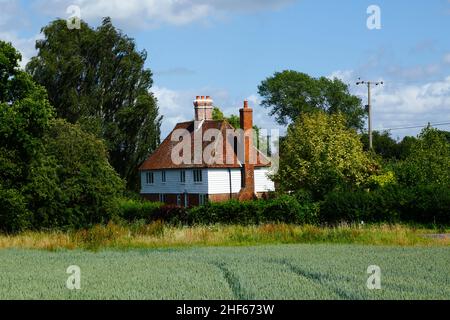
225 48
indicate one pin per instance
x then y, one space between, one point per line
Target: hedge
424 204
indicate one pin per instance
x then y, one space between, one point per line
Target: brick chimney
248 167
203 108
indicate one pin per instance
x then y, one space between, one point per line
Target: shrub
14 215
288 209
229 212
428 204
422 204
134 210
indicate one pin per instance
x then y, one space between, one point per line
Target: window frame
183 176
163 176
150 178
198 176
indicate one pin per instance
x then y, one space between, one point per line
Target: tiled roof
161 158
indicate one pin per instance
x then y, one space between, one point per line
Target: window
183 176
178 199
150 177
162 197
202 199
163 176
198 175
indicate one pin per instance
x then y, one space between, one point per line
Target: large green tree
289 94
52 173
25 115
97 78
72 185
320 154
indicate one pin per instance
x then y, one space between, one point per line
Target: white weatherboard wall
219 181
173 184
262 181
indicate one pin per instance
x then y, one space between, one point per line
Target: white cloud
401 104
152 13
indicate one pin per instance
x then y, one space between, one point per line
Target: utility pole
369 105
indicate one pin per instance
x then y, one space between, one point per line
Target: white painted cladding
262 181
219 181
215 181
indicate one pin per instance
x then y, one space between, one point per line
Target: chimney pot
245 104
197 98
203 97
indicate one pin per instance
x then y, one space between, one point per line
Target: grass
300 271
158 235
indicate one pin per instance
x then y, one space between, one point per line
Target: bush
14 215
229 212
422 204
286 209
428 204
134 210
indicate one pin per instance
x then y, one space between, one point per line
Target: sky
225 48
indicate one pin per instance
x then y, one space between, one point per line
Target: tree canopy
427 162
97 78
320 154
52 174
289 94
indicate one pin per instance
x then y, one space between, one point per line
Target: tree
97 78
25 114
320 154
72 185
428 161
52 174
289 94
383 145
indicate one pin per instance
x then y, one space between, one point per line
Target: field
292 271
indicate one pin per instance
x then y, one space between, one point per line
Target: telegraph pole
369 105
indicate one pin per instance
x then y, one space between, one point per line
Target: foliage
134 210
74 186
428 161
319 154
382 180
97 78
52 173
25 114
290 94
429 204
383 144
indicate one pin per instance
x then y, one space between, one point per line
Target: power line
415 127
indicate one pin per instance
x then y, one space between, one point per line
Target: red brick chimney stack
248 168
203 108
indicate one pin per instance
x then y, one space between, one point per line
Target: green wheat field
320 271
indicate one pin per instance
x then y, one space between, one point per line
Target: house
207 160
